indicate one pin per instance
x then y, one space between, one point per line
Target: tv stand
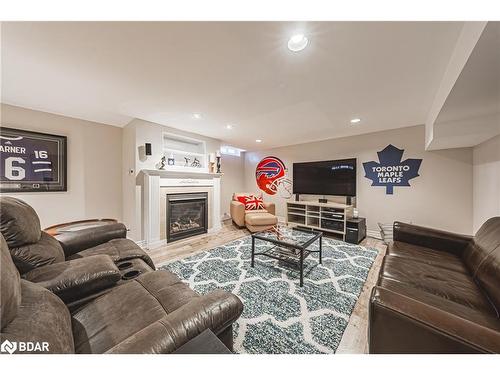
329 217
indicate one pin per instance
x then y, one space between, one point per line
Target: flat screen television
332 177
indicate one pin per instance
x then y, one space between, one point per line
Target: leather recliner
438 292
78 266
154 313
31 247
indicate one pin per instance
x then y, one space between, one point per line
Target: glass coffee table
290 245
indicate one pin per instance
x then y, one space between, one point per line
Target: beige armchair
254 220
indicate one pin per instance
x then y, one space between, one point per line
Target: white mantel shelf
154 179
164 173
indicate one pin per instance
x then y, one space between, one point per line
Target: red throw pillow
251 202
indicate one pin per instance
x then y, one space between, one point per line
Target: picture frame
32 161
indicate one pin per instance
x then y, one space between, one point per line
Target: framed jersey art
31 161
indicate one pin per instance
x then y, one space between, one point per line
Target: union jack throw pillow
251 202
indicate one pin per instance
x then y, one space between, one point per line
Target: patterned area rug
279 316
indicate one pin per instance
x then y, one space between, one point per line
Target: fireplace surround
156 184
187 215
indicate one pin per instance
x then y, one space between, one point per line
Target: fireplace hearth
187 215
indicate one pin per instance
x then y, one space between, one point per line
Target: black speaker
147 146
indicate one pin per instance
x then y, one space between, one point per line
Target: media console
329 217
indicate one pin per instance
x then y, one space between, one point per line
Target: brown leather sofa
153 313
253 220
438 292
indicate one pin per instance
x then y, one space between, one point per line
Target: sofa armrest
270 207
74 241
76 279
401 324
431 238
237 210
215 311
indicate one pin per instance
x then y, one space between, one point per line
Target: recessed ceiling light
229 126
258 140
355 120
297 43
196 116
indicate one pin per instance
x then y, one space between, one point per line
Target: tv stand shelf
329 217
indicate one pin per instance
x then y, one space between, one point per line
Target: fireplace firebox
187 215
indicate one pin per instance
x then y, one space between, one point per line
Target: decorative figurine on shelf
161 164
196 163
218 161
186 161
211 162
171 160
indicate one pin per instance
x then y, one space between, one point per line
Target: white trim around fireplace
154 179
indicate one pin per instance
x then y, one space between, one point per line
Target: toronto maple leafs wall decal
391 170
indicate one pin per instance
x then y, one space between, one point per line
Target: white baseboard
214 229
145 246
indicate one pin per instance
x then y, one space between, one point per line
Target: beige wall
441 197
232 181
100 158
94 167
486 174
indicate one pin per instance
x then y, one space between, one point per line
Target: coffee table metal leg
301 267
320 249
253 251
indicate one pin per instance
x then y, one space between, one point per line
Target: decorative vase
171 160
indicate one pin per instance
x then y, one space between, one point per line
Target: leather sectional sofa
438 292
70 292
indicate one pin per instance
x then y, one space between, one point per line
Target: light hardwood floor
354 339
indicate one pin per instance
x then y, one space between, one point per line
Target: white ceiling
239 73
471 112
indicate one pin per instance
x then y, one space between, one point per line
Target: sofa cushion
41 317
10 297
46 251
426 255
236 195
445 283
260 218
482 257
128 309
78 278
488 276
118 249
251 202
215 311
465 312
255 211
19 222
486 241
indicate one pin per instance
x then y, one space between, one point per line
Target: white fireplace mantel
155 179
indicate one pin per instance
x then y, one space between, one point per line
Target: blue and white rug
279 316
